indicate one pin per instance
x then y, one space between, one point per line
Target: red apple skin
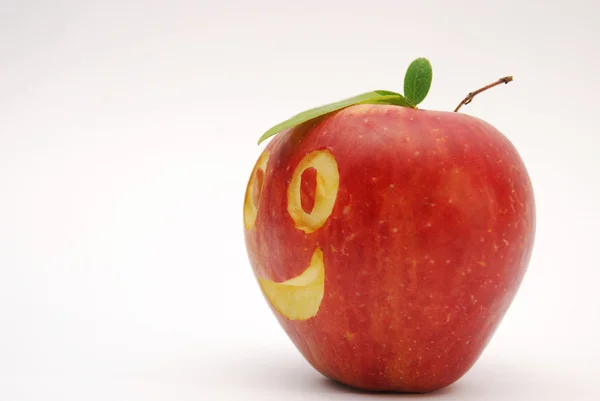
427 244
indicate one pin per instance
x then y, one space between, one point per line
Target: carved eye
325 191
253 191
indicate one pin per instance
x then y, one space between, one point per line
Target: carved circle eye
253 191
325 192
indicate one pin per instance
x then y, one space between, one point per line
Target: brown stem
471 95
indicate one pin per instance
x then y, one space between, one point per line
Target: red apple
390 241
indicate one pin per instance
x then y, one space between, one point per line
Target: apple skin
425 248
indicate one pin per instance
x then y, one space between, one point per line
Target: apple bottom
402 364
378 380
389 389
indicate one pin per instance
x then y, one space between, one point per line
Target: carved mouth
300 297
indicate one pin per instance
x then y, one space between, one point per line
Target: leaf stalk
469 98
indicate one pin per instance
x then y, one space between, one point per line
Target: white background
127 133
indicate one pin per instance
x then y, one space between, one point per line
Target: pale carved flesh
299 298
328 181
250 207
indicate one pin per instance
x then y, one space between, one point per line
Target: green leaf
417 81
374 97
388 97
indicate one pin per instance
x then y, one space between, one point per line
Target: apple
390 241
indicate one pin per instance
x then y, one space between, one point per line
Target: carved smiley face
310 196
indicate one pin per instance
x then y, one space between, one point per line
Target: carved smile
300 297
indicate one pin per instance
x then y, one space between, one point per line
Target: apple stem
471 95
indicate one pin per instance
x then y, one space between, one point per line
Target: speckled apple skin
427 244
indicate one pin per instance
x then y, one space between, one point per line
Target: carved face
311 195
